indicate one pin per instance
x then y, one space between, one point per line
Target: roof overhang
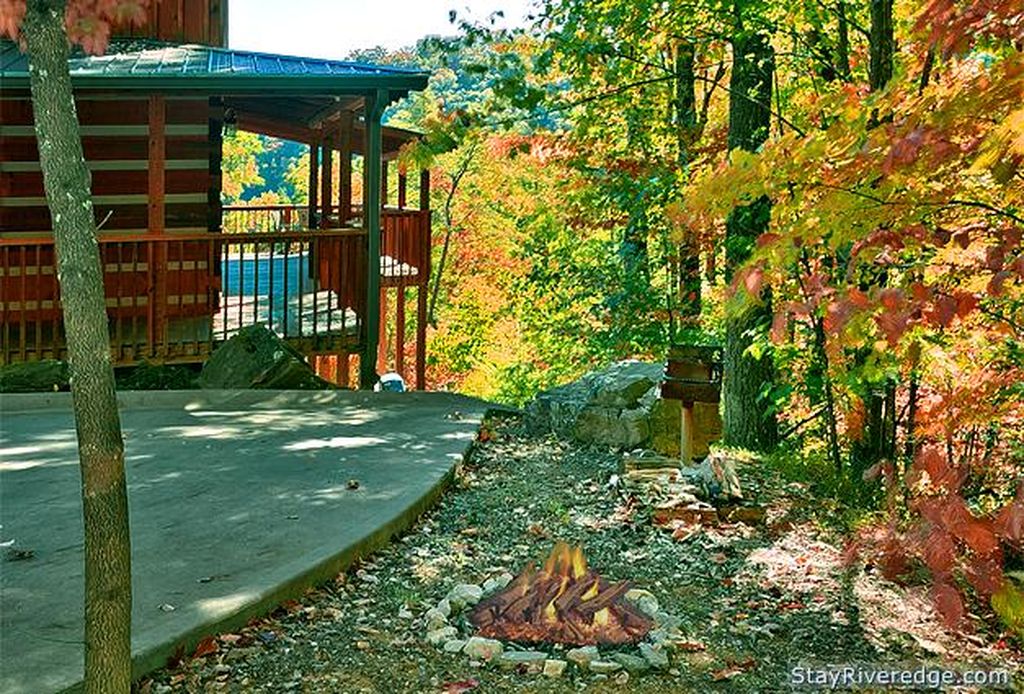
152 66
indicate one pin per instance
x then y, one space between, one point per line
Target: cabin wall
153 271
115 138
184 21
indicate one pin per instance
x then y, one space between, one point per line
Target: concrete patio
238 501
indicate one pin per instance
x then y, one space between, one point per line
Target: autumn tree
748 416
46 30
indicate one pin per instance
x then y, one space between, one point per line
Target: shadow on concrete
238 500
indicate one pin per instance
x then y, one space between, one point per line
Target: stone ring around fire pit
566 615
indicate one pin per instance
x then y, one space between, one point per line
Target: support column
402 186
345 168
326 183
423 282
376 102
314 182
384 183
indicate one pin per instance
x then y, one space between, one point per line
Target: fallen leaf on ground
206 647
460 686
733 669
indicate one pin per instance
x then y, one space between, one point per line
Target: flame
566 561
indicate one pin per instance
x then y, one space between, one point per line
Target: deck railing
173 297
405 234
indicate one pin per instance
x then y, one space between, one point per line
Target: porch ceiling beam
333 111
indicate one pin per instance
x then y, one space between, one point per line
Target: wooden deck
173 297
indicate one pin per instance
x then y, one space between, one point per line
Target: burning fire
563 602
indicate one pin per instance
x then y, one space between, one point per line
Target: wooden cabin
182 272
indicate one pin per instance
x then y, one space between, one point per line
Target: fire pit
563 602
561 618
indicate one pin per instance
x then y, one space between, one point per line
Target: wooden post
686 434
345 168
156 223
327 183
376 102
384 183
400 329
314 181
382 345
423 282
402 185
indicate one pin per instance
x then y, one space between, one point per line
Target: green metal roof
147 64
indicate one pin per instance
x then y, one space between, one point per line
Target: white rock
445 608
655 656
454 645
529 662
439 636
604 667
583 656
435 620
465 594
404 613
496 583
480 648
644 601
554 668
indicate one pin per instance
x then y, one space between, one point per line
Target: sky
332 28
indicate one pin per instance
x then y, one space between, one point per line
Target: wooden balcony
174 297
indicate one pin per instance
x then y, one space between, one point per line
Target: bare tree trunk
108 597
748 415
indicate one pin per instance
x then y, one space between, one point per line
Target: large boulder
257 358
42 376
621 407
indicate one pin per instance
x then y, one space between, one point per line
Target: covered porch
342 279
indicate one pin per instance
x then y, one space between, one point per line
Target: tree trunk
748 414
687 132
882 44
843 42
100 447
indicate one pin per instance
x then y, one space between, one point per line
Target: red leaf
965 303
986 575
767 238
460 686
891 298
1009 523
962 238
978 534
836 316
858 298
948 602
892 325
995 285
753 280
206 647
938 551
921 292
944 311
994 258
780 327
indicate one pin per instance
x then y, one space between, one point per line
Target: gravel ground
753 601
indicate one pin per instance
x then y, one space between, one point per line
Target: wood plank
30 183
130 216
102 147
157 183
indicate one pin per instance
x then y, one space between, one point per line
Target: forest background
831 188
